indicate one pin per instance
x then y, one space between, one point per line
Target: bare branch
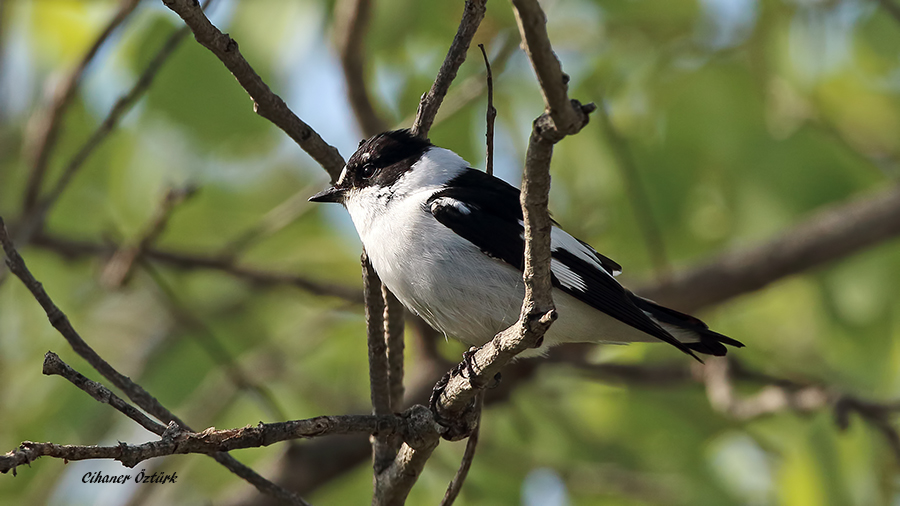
829 234
471 88
468 456
554 83
350 26
266 103
48 127
135 392
394 322
53 365
392 486
473 13
33 221
780 395
176 441
378 362
74 248
491 114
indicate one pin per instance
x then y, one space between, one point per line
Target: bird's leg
462 424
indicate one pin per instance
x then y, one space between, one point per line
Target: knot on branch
173 432
546 130
419 429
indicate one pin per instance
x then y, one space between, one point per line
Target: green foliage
739 119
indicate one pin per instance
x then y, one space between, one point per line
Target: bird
448 240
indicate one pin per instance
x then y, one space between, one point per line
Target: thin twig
74 248
350 26
468 456
33 221
53 365
473 13
382 454
394 323
471 88
491 114
265 103
640 202
48 129
135 392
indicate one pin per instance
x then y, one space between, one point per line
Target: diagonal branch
473 13
829 234
350 26
48 128
265 103
33 221
135 392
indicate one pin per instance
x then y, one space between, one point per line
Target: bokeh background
727 121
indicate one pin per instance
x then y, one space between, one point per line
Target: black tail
708 341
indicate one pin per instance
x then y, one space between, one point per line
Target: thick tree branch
473 13
829 234
48 127
350 26
265 103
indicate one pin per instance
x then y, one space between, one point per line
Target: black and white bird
448 241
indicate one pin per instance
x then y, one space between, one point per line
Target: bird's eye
368 170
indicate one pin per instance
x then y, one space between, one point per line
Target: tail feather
681 325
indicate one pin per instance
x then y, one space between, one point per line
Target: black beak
329 195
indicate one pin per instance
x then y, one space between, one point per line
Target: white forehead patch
342 176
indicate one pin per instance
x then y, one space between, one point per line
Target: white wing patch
449 201
567 277
559 239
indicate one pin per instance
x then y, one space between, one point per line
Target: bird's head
377 164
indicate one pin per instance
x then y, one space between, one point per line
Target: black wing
486 211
